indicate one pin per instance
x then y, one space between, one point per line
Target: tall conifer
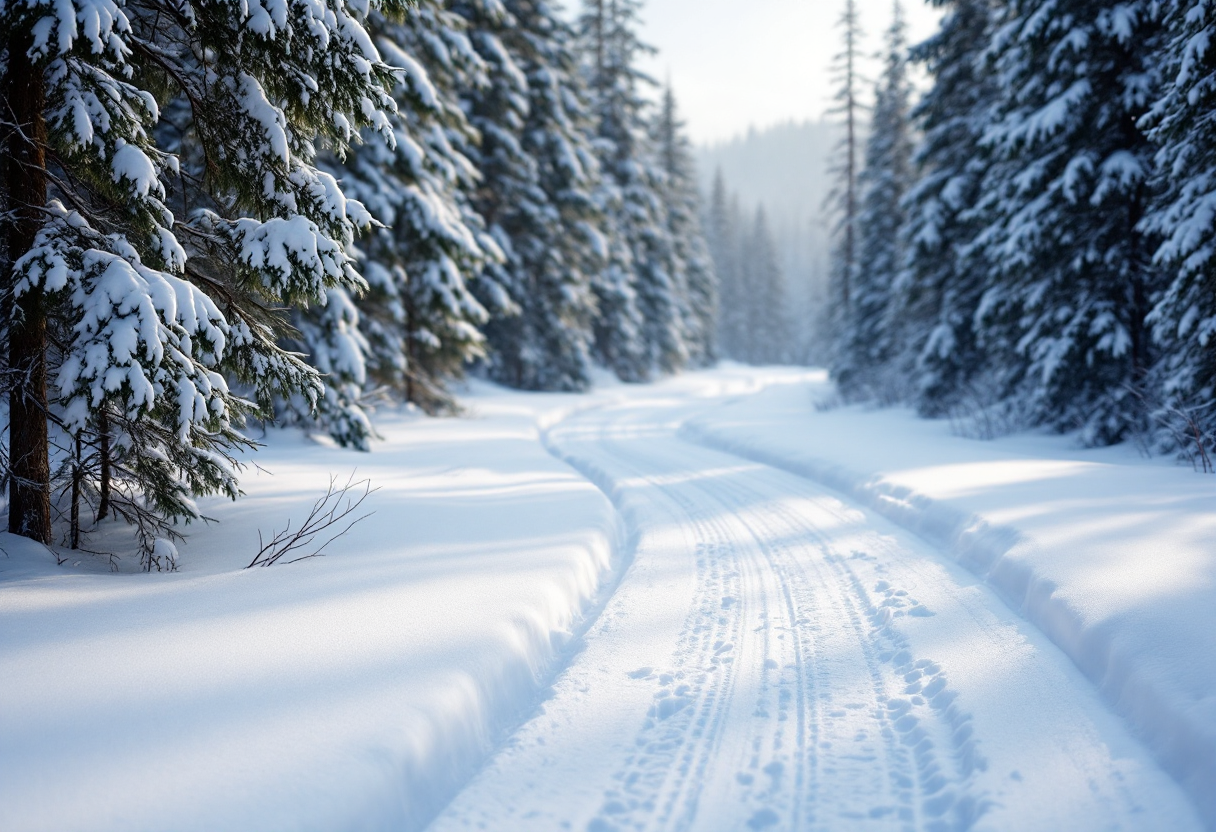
539 175
151 310
844 199
1184 214
940 288
421 317
640 330
868 346
1071 272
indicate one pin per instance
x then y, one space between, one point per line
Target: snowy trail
778 659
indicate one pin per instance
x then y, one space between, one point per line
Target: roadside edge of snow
440 743
1185 747
507 696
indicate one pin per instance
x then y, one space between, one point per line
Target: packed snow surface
643 608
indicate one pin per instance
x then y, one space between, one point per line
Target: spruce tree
421 317
843 200
868 342
940 288
724 247
151 311
765 338
690 253
539 175
640 331
1181 123
1071 275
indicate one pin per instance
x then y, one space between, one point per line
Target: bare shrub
1176 427
330 517
979 413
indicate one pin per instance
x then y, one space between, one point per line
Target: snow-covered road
775 658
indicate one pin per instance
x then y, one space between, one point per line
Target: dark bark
24 92
850 207
600 52
411 363
103 452
76 477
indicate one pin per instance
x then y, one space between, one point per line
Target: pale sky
741 63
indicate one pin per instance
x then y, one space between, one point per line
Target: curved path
778 659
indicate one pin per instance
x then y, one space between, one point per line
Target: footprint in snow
667 706
763 819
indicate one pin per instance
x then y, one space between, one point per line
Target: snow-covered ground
1111 555
349 691
616 611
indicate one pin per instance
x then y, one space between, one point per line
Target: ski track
789 697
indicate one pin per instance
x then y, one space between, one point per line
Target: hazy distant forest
219 212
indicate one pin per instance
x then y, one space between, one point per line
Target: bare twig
1179 427
332 511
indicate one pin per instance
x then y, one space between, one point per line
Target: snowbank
354 691
1112 556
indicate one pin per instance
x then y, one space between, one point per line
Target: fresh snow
1107 553
641 608
353 691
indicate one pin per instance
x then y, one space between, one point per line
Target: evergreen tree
421 317
754 324
690 253
843 202
1182 124
329 336
868 344
539 175
640 330
766 334
123 318
724 247
940 289
1070 270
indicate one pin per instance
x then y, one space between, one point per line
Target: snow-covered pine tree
765 338
321 323
940 287
1071 270
150 311
724 247
638 293
421 317
539 176
1183 126
863 364
690 253
843 205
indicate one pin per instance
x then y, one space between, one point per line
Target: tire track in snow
758 521
910 757
682 730
690 737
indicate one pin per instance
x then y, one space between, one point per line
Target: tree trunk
103 452
600 57
76 477
850 246
410 362
29 508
